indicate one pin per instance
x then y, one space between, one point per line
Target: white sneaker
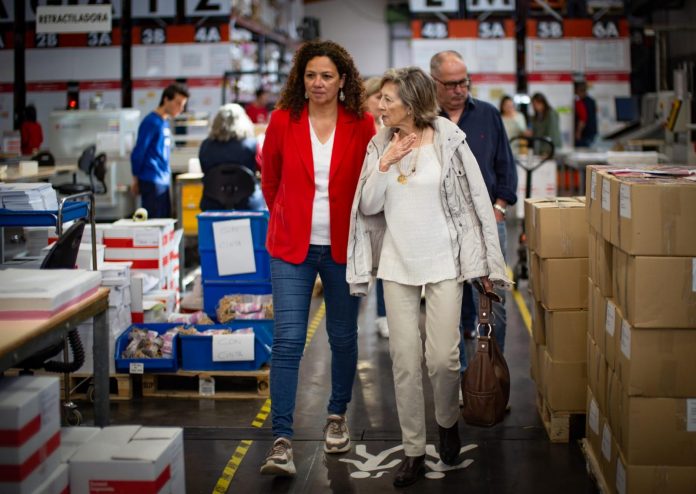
382 327
336 436
279 459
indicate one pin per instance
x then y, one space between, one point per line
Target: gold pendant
402 179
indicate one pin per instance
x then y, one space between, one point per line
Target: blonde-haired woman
231 140
422 212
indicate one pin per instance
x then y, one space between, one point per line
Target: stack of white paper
39 294
28 197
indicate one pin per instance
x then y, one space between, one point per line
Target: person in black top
231 140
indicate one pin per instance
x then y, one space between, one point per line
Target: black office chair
63 255
94 165
230 186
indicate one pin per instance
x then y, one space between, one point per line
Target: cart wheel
73 417
90 393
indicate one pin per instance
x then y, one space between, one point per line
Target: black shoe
449 444
409 471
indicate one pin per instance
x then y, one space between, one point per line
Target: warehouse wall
359 26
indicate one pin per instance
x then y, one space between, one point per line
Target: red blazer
288 181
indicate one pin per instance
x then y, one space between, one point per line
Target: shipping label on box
655 292
564 283
593 205
656 216
560 228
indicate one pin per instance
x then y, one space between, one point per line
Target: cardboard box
654 431
535 281
656 216
599 315
612 327
597 375
609 206
600 262
560 228
656 292
529 226
564 283
72 439
538 323
566 335
127 456
565 384
56 483
651 479
594 422
536 359
608 452
593 195
657 362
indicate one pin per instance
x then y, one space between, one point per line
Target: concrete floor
512 457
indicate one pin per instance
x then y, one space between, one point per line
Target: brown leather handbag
486 381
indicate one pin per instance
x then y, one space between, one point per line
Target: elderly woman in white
423 216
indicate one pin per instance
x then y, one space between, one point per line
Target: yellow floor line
223 483
521 305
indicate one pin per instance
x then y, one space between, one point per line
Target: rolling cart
529 164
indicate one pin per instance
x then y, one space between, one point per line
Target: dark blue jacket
487 139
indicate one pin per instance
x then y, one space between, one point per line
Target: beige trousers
443 302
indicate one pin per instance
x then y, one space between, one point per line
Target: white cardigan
465 200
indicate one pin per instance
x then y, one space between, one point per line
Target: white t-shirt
416 249
321 153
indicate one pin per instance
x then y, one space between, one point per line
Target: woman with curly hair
312 155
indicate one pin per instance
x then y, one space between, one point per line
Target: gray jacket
465 200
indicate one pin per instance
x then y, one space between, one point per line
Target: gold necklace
412 163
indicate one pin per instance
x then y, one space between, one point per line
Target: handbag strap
484 311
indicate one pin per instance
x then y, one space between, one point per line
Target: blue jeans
155 198
292 294
381 310
470 308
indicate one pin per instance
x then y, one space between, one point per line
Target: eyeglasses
452 85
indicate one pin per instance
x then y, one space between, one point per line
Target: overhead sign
6 10
434 5
488 5
31 7
73 19
207 8
153 9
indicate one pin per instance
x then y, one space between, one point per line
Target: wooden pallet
593 468
82 388
228 384
558 424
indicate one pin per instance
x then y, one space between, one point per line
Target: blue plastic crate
258 220
213 291
149 364
209 268
197 351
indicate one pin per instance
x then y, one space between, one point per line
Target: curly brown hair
292 96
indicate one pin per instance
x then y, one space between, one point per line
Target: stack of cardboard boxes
641 342
557 239
38 457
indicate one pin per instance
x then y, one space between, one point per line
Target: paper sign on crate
233 347
234 249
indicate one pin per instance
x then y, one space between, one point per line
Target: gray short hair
231 122
372 86
439 57
417 91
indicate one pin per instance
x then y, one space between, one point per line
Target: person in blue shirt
150 156
485 134
231 140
